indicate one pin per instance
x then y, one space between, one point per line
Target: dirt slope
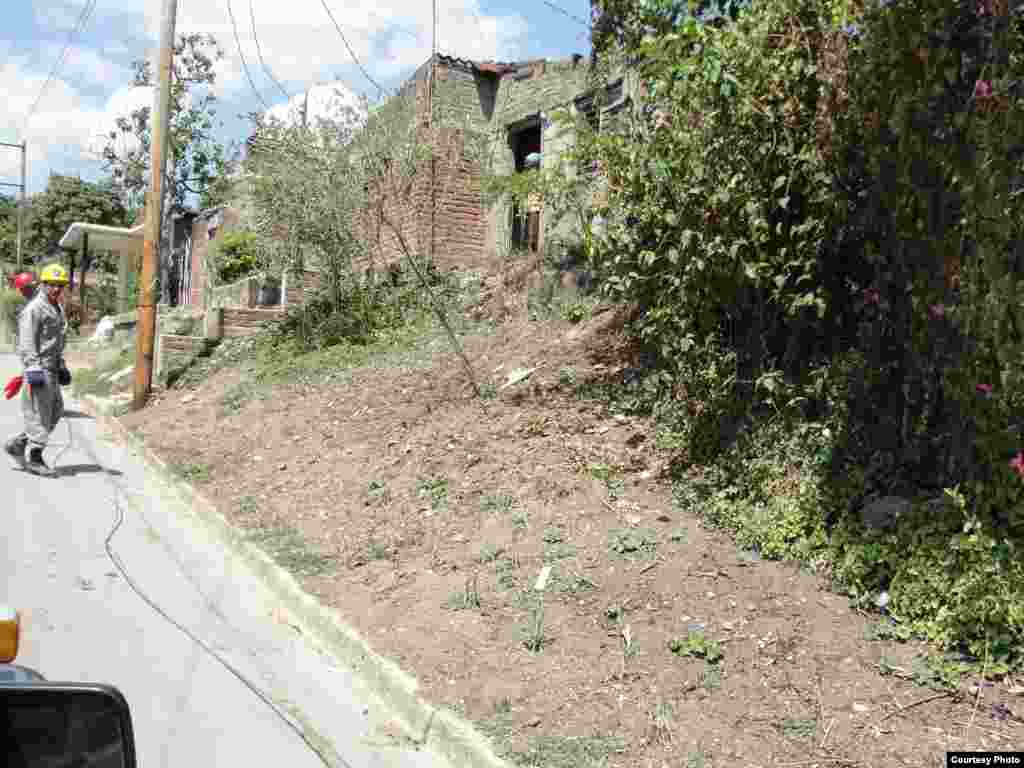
426 520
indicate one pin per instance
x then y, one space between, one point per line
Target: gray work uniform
42 328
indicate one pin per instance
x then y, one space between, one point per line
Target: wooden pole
146 311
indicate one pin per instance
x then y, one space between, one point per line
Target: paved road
84 622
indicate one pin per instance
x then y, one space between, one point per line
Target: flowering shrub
824 179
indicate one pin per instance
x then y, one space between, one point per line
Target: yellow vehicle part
10 629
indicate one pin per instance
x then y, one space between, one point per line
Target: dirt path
427 523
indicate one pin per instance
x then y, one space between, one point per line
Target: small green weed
247 505
377 550
533 633
567 377
886 629
498 503
559 551
575 584
696 644
288 549
678 536
567 752
193 473
436 489
488 391
519 520
490 552
798 729
695 760
553 536
711 676
468 598
628 542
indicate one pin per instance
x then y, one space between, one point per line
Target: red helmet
24 281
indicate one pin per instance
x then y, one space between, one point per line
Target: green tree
8 228
68 199
195 159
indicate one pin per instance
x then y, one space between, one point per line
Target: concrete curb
440 731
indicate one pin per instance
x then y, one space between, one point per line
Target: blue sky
298 41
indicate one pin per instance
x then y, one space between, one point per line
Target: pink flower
662 119
937 311
872 296
984 389
1017 463
982 89
984 7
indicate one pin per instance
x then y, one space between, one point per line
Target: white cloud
86 66
300 44
297 39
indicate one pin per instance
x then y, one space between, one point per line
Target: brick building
502 107
505 108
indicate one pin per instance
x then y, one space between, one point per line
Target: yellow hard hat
54 274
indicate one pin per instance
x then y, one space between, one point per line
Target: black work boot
15 448
37 466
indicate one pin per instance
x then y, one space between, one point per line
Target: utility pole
21 202
146 310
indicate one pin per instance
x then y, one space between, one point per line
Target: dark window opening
525 220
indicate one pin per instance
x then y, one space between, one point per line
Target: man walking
42 327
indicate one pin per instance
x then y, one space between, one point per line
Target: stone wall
175 350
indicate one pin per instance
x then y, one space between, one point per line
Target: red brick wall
458 227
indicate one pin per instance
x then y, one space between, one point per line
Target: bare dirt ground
426 520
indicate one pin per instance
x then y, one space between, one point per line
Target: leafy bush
235 256
356 309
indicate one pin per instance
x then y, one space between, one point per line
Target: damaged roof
493 67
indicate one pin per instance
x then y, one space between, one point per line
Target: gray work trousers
42 407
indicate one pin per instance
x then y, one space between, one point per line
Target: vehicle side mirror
72 725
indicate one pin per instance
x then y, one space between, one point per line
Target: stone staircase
246 321
224 322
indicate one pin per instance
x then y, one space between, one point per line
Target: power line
350 51
566 13
79 27
238 47
259 52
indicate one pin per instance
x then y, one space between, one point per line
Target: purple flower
937 311
984 389
872 296
982 89
852 30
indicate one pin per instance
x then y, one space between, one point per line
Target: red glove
13 387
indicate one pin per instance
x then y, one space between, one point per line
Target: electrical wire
238 46
331 761
352 53
259 52
566 13
83 19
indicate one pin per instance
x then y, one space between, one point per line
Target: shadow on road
76 415
71 470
